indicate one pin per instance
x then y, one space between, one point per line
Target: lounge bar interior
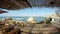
29 16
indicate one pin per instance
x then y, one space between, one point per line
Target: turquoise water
24 19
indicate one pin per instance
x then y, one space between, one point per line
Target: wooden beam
28 3
16 3
6 5
23 3
11 3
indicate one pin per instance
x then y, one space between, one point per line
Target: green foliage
48 20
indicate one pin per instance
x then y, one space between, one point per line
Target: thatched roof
18 4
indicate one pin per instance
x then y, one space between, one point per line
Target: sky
34 11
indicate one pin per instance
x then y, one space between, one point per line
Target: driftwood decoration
3 12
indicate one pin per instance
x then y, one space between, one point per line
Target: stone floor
38 28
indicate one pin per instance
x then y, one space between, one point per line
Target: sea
23 18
